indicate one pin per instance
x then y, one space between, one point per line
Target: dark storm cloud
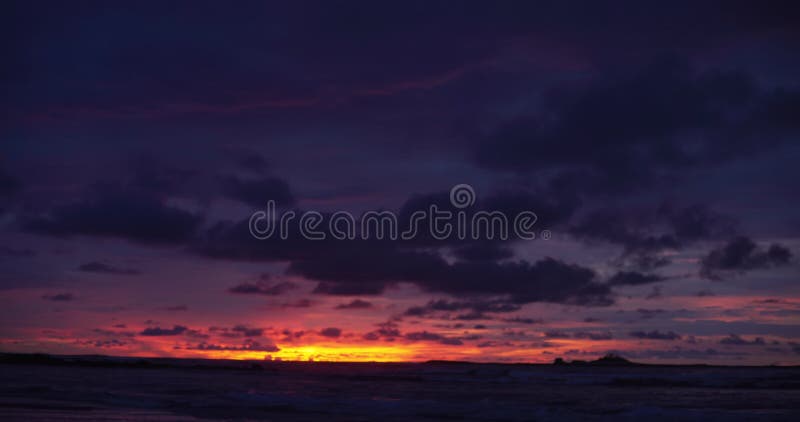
388 330
103 344
233 241
639 130
633 129
196 334
492 343
256 192
113 333
112 210
158 331
771 301
655 293
649 313
547 280
434 337
289 335
482 252
235 332
471 316
552 204
655 335
584 335
355 304
644 233
248 345
742 254
103 268
522 320
367 267
478 307
631 278
331 332
736 340
248 331
593 335
263 288
518 334
59 297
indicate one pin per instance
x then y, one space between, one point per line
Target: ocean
95 389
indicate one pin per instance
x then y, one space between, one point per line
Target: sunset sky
657 144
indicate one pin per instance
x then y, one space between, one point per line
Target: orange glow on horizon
323 353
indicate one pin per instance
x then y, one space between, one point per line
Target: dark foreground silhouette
44 387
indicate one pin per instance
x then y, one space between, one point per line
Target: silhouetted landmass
607 360
102 361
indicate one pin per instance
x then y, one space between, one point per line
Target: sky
656 144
